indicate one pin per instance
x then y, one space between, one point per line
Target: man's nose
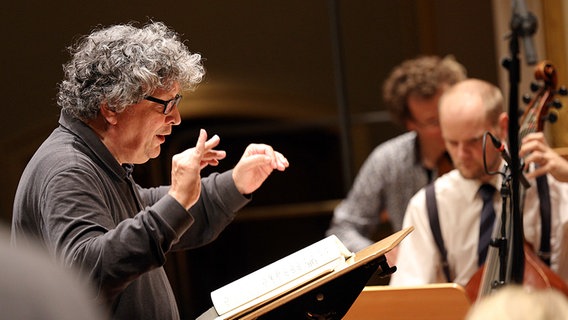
174 117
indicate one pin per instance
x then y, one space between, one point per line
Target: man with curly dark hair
77 197
399 167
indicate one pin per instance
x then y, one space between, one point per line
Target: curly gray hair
122 64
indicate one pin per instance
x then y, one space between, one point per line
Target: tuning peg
506 63
552 116
562 91
535 87
555 104
526 98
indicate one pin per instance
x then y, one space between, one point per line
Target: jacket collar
92 141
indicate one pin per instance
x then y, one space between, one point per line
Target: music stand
330 296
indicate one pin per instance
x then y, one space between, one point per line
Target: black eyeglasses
168 104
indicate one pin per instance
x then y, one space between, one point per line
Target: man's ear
108 115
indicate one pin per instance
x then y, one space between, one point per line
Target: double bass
536 273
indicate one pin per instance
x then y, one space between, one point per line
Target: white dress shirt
459 208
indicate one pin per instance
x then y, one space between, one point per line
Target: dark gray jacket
86 210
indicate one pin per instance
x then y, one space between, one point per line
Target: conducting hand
536 150
256 164
186 168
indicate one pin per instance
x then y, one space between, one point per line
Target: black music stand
330 296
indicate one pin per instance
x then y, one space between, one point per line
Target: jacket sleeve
98 227
216 208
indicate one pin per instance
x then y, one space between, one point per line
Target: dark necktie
486 191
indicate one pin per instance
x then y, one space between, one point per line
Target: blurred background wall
304 76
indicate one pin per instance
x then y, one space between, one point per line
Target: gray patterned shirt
390 176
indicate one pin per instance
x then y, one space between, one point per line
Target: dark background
273 76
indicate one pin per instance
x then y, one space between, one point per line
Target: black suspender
545 209
432 208
545 213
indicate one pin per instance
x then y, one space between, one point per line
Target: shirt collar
474 184
417 159
94 143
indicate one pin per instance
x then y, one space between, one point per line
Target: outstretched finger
212 142
200 145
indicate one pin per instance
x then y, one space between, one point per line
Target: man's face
143 127
424 121
463 122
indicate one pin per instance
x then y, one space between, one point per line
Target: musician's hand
186 168
256 164
535 149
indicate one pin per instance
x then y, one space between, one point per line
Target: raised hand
186 168
256 164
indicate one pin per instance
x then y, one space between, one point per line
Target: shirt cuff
173 214
227 188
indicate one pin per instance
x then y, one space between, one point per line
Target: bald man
469 110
